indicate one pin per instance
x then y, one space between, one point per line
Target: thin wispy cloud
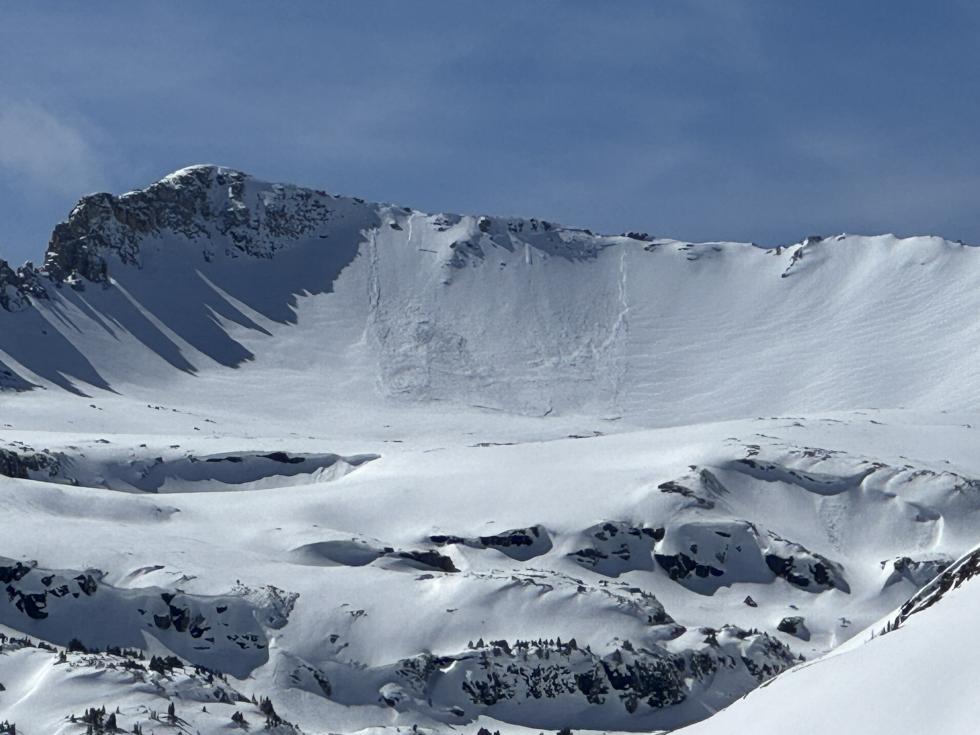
44 151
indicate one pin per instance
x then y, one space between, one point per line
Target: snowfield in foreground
274 458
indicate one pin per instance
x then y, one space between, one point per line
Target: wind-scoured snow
373 468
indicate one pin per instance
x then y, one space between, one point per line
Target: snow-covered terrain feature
909 673
160 469
299 459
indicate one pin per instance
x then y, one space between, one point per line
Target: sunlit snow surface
393 469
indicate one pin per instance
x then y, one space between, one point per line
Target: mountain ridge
184 201
210 269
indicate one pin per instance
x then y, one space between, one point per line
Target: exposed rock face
803 568
206 204
706 555
147 471
10 295
616 546
519 543
700 487
953 577
794 625
17 285
76 243
639 678
355 552
24 465
917 572
226 633
427 560
197 203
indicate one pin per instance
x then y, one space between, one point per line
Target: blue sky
766 120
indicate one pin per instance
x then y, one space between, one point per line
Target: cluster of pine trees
272 718
26 642
97 721
523 647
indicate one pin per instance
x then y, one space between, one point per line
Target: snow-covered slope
392 469
913 672
210 268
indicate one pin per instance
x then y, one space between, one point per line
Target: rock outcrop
210 205
637 678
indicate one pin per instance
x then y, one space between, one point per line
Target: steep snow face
210 269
